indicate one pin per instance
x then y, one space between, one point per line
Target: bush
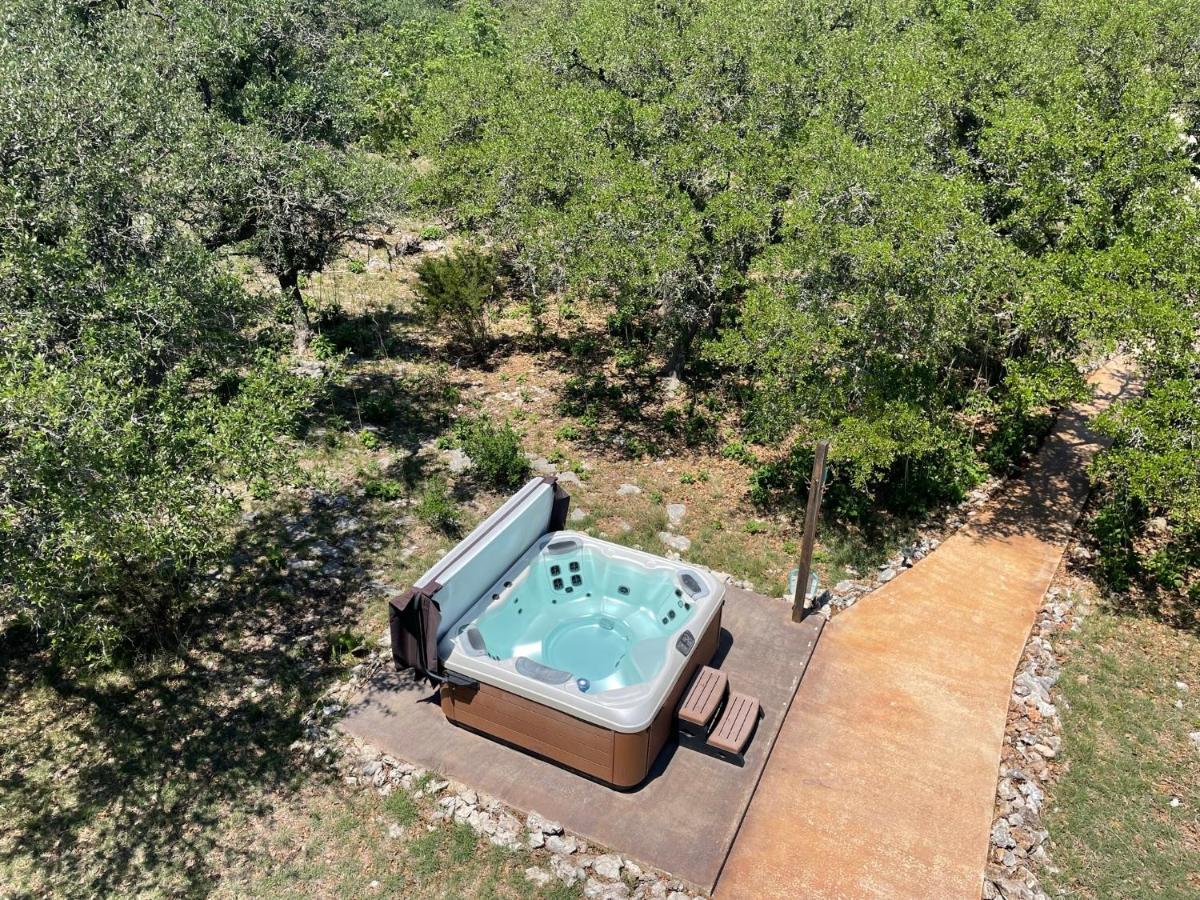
460 293
495 450
437 509
1147 506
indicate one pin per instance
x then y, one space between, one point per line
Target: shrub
432 233
437 509
356 267
495 450
1147 506
460 293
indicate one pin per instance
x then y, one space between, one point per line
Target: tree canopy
910 226
900 225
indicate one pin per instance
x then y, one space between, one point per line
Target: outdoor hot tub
571 647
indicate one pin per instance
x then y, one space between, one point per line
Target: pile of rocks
846 593
559 855
1031 744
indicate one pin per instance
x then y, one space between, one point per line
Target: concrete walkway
883 778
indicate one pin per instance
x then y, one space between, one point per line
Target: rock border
1028 760
559 855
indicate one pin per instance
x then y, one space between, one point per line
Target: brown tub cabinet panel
620 759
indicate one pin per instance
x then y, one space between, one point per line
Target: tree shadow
626 407
401 410
383 332
124 783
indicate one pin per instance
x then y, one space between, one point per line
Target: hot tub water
599 619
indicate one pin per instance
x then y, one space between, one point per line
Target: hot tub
576 649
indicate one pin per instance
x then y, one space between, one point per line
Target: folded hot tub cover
415 617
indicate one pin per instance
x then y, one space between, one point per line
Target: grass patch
1114 832
402 807
738 552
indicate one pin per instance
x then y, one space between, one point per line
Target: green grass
1113 830
401 807
843 551
741 553
334 842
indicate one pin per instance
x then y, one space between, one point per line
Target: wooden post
816 488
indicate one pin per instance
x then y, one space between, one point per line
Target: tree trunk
289 283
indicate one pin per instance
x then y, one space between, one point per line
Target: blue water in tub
605 620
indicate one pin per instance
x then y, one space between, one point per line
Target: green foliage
1147 521
897 226
495 451
437 509
459 293
739 452
133 393
274 168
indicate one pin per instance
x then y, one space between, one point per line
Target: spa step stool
715 720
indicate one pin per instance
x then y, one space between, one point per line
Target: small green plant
369 439
460 293
432 233
379 487
356 267
345 645
754 526
437 509
401 807
323 348
636 447
739 452
495 450
567 433
377 408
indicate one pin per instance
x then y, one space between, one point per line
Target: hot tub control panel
685 643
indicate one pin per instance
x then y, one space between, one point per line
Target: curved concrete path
883 778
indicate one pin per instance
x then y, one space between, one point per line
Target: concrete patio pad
683 818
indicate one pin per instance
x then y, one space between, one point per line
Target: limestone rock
562 844
675 541
538 822
608 866
537 876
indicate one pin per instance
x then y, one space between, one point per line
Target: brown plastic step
704 696
733 732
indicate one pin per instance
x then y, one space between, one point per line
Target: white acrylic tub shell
627 709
